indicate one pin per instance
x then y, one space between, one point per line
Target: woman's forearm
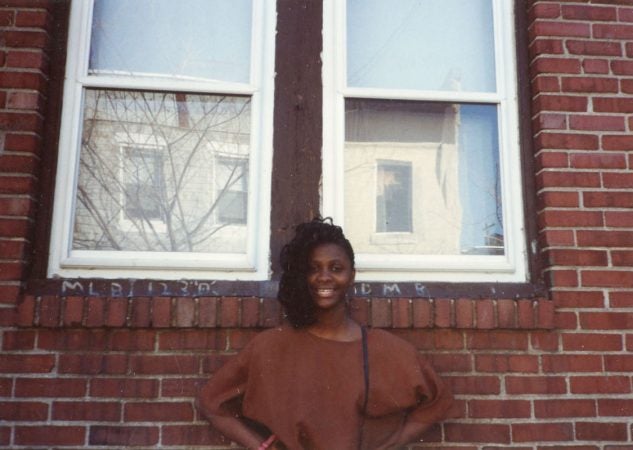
232 428
409 433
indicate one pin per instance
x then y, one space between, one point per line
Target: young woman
323 382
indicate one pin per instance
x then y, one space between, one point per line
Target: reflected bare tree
161 171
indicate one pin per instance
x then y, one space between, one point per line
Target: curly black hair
293 292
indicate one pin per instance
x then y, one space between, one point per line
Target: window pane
231 185
436 171
146 175
421 44
207 39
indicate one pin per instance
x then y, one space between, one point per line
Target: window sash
511 267
251 265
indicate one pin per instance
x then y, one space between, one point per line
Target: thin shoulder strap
363 331
365 367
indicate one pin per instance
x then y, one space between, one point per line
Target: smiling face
330 274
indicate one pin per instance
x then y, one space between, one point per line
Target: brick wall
113 373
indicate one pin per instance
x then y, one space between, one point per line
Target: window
424 94
166 140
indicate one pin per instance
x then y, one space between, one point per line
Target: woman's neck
335 326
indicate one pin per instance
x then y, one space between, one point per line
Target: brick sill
54 311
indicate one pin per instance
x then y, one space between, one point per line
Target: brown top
310 391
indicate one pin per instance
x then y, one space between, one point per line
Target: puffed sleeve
222 394
434 397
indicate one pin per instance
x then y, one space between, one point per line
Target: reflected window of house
393 197
431 85
166 107
231 187
143 183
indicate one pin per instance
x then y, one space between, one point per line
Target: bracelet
264 445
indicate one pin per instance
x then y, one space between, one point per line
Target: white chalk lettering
390 289
73 286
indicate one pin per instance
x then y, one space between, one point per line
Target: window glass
437 177
421 44
207 39
146 178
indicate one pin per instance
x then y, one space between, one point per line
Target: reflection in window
143 183
170 142
437 178
231 183
393 197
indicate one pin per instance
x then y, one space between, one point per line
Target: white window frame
510 267
254 263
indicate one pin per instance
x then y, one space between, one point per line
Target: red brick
11 270
50 387
170 364
621 299
546 341
596 431
90 340
598 160
545 314
595 66
597 123
617 142
551 102
19 142
116 312
592 13
506 313
597 238
592 342
517 385
400 313
544 11
488 433
32 19
562 278
600 385
592 85
566 320
250 312
525 313
506 363
207 311
93 364
570 218
571 363
542 83
612 31
567 141
26 363
192 340
613 104
626 86
50 435
229 312
140 312
464 316
615 407
554 199
123 388
619 363
184 312
610 199
444 339
422 313
548 159
573 257
442 307
380 312
25 39
549 121
474 385
84 411
132 340
6 18
485 314
181 387
18 340
73 311
497 340
555 65
606 320
539 432
95 313
158 412
25 313
451 362
604 278
541 46
192 435
499 408
123 435
559 238
161 312
622 258
625 15
618 180
548 409
23 411
567 29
